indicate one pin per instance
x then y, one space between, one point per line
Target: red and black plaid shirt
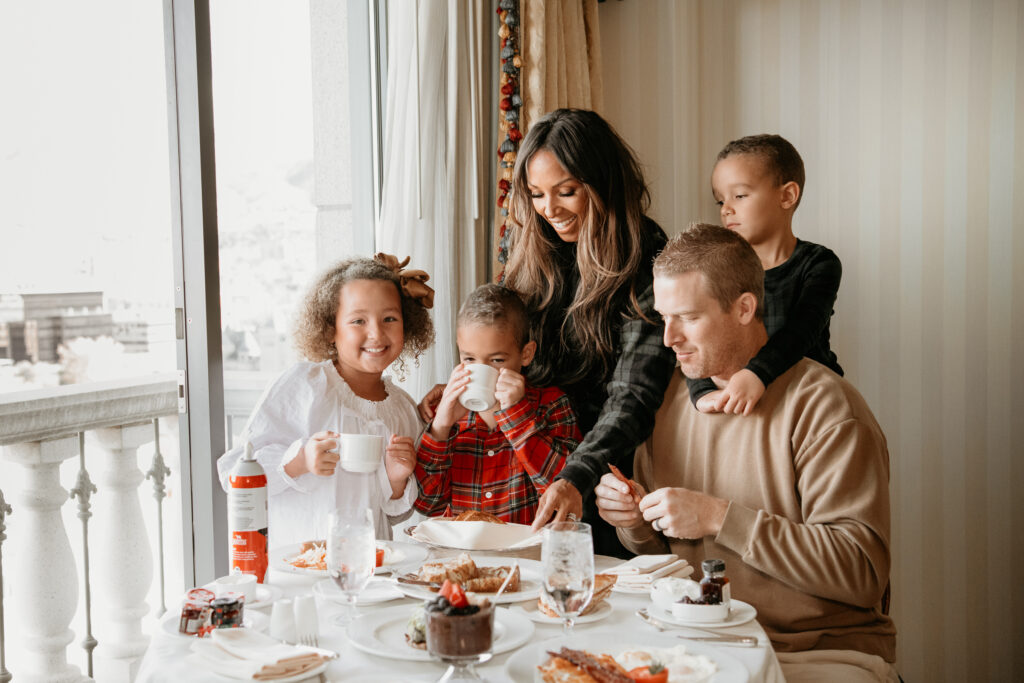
504 471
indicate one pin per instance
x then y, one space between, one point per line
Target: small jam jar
226 611
714 586
194 615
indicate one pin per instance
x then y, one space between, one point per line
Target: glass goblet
567 556
351 555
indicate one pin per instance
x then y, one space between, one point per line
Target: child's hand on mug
510 389
449 410
399 461
320 455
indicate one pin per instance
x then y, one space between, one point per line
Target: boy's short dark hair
779 156
494 304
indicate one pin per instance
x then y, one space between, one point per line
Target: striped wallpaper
910 119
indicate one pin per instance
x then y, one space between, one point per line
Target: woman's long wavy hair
612 240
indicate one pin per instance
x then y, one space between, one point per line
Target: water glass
351 555
567 556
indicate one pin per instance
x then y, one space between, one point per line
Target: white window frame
196 257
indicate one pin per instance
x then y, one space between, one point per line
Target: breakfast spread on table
464 571
651 665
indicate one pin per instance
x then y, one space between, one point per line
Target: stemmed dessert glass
460 641
351 555
567 556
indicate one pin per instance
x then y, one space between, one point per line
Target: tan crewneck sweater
806 536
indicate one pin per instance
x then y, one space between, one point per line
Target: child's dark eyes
719 202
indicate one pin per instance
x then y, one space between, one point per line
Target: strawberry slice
458 596
446 590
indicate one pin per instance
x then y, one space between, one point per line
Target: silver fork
711 636
309 639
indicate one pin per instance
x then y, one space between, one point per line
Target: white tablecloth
164 662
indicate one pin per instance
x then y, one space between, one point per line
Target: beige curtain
561 56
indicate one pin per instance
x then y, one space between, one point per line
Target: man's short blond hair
728 262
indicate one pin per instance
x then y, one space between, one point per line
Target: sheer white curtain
434 161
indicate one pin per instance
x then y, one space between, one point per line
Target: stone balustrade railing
39 430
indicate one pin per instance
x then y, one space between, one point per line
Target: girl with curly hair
360 316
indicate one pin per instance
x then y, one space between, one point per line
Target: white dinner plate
739 613
534 614
377 590
395 553
529 580
382 632
254 620
523 666
266 595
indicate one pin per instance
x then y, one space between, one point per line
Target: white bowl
669 590
703 614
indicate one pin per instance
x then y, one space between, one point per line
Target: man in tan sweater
794 497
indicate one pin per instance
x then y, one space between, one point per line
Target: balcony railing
39 430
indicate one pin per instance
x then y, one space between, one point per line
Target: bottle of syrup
715 585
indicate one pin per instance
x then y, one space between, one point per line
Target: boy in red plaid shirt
499 460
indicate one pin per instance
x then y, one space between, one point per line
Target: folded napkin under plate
448 533
637 575
244 654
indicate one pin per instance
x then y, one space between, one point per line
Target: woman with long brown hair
581 253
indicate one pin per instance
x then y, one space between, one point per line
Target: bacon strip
631 484
591 666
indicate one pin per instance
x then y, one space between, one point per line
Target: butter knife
740 641
412 580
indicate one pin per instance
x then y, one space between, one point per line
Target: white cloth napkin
678 568
642 564
244 654
475 535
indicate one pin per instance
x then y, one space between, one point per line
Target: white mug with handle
479 394
360 452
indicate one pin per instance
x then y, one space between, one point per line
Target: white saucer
255 620
739 613
266 595
534 614
376 590
382 633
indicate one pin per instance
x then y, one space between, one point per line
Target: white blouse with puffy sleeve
306 399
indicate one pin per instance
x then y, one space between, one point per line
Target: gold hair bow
413 282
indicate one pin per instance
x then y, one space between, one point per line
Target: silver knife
741 641
413 580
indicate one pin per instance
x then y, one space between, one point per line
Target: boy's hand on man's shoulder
741 394
510 388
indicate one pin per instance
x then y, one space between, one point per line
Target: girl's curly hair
315 321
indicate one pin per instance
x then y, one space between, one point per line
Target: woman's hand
616 504
399 462
510 389
561 500
428 405
449 410
316 456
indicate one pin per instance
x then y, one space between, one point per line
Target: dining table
166 659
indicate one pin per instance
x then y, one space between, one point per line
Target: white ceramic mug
237 583
479 394
360 452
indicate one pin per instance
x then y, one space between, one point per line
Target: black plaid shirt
798 299
615 409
